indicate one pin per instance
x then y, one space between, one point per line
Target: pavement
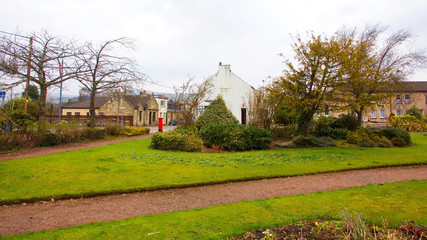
166 128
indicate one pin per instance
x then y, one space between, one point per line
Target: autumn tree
188 97
307 86
102 70
373 72
50 56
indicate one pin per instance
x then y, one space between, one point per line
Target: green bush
381 138
323 122
132 131
282 132
311 141
346 121
409 122
15 141
217 111
234 137
186 130
113 129
176 141
334 133
358 136
47 139
92 133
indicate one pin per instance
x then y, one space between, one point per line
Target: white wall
233 89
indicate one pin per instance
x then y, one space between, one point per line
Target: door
243 116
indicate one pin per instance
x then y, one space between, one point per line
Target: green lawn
396 202
132 166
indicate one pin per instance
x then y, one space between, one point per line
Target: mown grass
396 202
133 166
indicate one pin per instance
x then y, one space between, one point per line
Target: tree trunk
92 111
359 117
42 108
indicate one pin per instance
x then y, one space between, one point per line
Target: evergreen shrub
176 141
217 111
234 137
312 141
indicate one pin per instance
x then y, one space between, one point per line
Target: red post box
160 124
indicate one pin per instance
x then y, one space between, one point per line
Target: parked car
174 122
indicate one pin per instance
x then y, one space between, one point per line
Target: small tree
217 111
261 108
188 97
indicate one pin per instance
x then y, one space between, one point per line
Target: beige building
415 94
134 110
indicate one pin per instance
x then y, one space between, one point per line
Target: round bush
176 141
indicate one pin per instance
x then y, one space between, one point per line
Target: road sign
2 94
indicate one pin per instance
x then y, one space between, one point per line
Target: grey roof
417 86
99 101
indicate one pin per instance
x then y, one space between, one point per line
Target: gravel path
15 219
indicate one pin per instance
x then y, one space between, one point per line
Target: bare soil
21 218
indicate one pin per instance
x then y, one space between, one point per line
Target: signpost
2 96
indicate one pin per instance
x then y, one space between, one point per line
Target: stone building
134 110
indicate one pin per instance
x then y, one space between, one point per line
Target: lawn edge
208 183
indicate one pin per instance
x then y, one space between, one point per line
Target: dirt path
15 219
33 152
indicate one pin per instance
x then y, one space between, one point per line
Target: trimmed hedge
234 137
132 131
176 141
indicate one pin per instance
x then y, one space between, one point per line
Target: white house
233 89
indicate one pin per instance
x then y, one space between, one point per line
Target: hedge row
19 140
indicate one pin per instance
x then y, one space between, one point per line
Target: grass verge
133 166
396 202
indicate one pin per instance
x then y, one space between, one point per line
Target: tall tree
49 54
373 72
103 70
308 86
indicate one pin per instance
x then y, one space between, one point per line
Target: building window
69 113
407 98
374 114
77 113
101 114
154 116
382 113
162 103
398 98
422 111
398 112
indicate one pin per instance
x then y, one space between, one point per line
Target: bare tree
50 56
188 98
261 108
104 71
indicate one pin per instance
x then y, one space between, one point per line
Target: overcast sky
175 39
